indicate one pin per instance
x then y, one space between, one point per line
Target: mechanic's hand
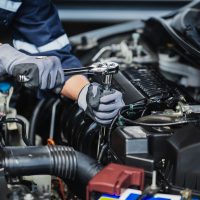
41 72
99 104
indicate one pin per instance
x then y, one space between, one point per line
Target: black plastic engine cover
139 147
130 93
183 155
143 82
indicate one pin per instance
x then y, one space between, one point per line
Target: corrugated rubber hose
61 161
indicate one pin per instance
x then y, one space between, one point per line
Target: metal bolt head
28 197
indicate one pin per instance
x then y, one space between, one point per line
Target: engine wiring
18 121
121 119
156 124
138 122
144 134
137 105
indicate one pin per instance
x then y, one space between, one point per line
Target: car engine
156 132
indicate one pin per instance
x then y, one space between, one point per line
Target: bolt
28 197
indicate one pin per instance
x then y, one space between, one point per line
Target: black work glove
40 72
100 104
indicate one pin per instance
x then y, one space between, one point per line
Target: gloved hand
41 72
99 104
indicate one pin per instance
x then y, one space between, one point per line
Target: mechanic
41 49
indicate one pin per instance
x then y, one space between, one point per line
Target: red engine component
115 177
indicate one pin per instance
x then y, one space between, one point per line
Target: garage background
80 16
84 15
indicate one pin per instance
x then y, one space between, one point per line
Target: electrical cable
138 123
19 121
26 122
124 109
31 135
53 116
103 149
158 124
114 121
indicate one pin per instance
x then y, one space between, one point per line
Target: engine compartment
157 130
154 96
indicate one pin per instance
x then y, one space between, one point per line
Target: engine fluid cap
5 87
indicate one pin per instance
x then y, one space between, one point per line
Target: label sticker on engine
108 197
131 194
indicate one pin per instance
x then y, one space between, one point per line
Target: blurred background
84 15
80 16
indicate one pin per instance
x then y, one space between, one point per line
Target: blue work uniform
37 29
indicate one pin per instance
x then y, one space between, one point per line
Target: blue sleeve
38 31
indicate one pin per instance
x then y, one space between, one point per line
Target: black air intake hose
60 161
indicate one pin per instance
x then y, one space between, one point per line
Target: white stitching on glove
42 72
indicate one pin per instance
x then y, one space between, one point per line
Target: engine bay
44 136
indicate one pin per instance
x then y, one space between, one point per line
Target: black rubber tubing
61 161
32 130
